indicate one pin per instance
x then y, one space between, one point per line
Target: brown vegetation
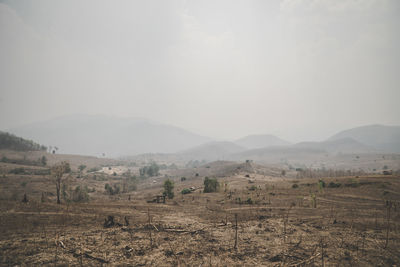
343 221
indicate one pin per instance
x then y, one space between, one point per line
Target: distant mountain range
211 151
379 137
259 141
98 134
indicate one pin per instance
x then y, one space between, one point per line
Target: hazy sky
299 69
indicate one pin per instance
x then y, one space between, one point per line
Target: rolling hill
211 151
344 145
12 142
98 134
380 137
261 141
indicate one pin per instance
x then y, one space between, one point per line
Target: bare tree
58 171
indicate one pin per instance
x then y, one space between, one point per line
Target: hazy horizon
213 138
300 70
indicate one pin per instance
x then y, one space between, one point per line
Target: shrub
43 160
334 185
42 172
94 169
321 185
210 185
17 171
186 191
253 188
249 201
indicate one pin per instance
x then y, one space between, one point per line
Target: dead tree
388 208
322 252
109 222
149 227
25 199
58 171
236 232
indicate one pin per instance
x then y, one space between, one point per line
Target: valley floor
280 222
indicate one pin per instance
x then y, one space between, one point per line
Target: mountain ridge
114 136
261 140
123 136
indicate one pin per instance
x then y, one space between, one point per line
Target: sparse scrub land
104 219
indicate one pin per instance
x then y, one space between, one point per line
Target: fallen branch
95 258
304 261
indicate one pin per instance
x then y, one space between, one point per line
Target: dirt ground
351 221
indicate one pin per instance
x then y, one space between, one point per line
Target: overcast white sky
299 69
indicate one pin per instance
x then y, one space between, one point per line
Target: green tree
81 167
169 189
210 185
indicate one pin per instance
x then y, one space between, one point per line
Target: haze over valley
199 133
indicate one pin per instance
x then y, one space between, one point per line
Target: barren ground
277 223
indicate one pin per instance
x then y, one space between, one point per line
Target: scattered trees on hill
112 190
79 194
12 142
152 170
42 161
321 173
210 185
58 171
169 189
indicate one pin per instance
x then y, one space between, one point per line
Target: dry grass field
256 218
